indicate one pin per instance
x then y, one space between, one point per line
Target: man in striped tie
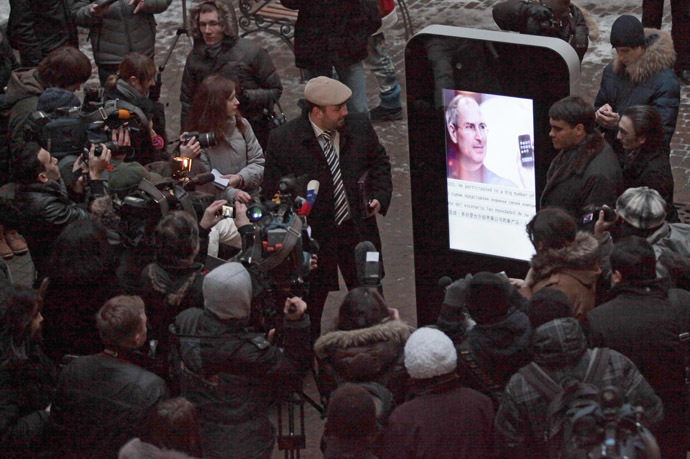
344 154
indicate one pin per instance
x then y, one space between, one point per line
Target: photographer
135 77
42 200
233 376
238 155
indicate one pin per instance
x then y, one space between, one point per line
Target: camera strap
294 232
157 195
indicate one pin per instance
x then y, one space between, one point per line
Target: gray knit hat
428 353
627 30
54 98
228 291
641 207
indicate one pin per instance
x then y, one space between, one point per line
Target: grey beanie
428 353
228 291
627 30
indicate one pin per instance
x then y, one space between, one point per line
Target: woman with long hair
27 376
367 345
135 78
238 157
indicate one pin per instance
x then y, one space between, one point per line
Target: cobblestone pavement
396 227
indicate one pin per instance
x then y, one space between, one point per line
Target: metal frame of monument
539 68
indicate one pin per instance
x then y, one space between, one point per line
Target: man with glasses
218 48
467 132
586 170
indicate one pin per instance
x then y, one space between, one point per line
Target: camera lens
207 139
255 213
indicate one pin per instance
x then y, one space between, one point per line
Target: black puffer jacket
649 81
588 173
373 354
97 404
329 33
514 15
233 376
36 27
240 60
500 349
651 169
26 390
120 31
45 211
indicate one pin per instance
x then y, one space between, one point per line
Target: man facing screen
467 131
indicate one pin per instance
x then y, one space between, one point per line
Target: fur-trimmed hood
367 354
581 256
226 10
395 331
658 56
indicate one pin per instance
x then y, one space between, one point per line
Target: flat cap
326 91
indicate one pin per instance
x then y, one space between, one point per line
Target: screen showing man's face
470 134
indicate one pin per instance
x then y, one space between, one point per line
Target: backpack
577 424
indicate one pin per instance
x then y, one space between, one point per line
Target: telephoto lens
206 139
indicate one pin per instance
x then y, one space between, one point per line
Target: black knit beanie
627 30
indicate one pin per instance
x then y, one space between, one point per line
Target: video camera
278 251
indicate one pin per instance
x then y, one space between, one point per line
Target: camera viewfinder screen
490 173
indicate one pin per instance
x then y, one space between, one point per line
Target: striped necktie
341 205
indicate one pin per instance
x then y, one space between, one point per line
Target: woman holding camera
135 77
237 155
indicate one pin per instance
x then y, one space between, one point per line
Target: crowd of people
141 338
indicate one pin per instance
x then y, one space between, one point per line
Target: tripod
180 31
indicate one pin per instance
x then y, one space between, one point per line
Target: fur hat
428 353
324 91
351 413
627 30
487 297
641 207
228 291
54 98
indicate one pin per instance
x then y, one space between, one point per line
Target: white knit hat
228 291
428 353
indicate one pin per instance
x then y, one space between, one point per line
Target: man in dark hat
337 150
640 74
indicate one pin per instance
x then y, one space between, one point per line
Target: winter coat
45 211
233 376
240 60
330 33
239 154
23 91
651 169
120 31
98 402
643 324
37 27
510 15
560 348
649 81
587 173
443 420
573 269
499 349
26 389
372 354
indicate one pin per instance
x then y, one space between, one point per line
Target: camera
61 132
114 148
206 139
228 211
591 214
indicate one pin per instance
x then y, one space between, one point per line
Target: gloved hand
457 292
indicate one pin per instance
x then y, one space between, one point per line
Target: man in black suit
337 150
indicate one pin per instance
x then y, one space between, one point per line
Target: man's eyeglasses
211 25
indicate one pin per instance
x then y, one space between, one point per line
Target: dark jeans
652 12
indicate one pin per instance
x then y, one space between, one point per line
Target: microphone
200 179
367 264
121 114
312 193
